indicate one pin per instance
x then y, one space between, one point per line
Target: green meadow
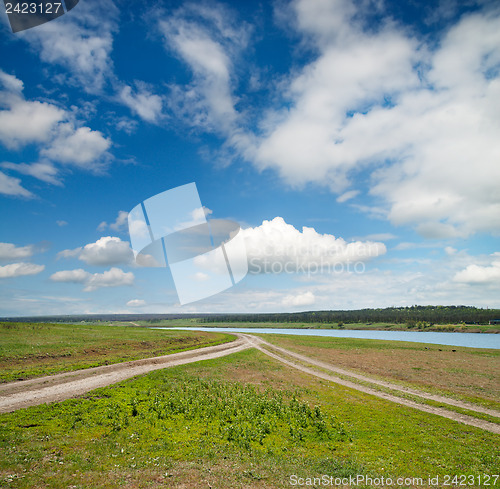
35 349
240 421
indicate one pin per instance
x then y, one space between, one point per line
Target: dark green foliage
225 412
398 315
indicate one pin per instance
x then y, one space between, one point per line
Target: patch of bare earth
457 371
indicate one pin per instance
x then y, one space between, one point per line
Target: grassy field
460 328
467 373
35 349
241 421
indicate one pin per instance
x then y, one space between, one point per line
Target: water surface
471 340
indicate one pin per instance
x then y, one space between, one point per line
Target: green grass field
241 421
35 349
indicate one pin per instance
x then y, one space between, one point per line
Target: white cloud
347 196
419 118
206 39
58 135
105 251
136 303
354 71
369 99
42 170
114 277
61 223
25 122
10 82
145 104
276 247
380 237
478 274
301 299
12 186
201 277
20 269
78 276
9 251
81 42
70 253
120 224
81 147
198 216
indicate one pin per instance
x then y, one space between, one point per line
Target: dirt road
285 356
16 395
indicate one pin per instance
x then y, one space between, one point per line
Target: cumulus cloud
120 224
419 117
80 147
478 274
9 251
136 303
301 299
24 122
347 196
114 277
276 247
425 117
59 138
108 250
20 269
77 276
354 71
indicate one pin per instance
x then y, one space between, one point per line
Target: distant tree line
151 318
397 315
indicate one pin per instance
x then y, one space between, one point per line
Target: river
471 340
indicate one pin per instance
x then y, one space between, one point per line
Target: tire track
462 418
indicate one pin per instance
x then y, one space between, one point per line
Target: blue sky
360 135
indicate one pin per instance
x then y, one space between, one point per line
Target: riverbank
437 328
